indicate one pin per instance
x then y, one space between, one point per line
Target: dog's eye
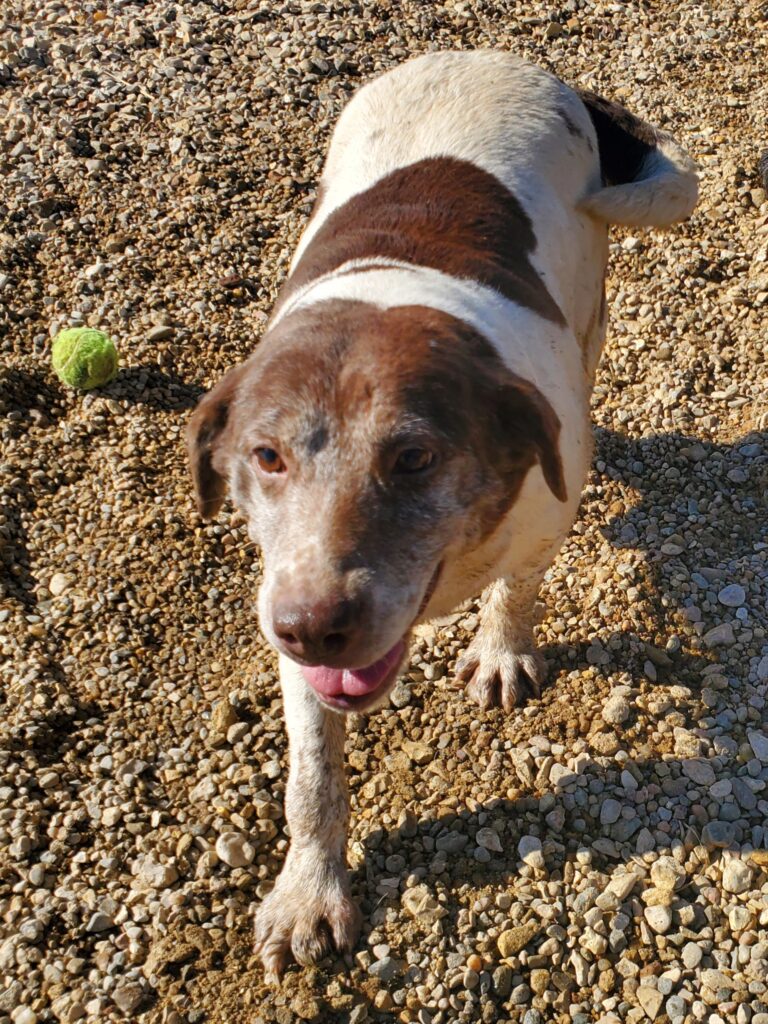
414 460
268 460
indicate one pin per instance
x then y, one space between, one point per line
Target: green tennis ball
84 357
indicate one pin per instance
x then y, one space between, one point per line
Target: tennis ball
84 357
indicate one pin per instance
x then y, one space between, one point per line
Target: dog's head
366 447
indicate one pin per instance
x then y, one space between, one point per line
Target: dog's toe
502 678
292 921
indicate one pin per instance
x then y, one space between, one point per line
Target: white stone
622 885
235 850
667 874
529 849
659 919
616 710
155 875
650 999
692 955
58 583
24 1015
737 876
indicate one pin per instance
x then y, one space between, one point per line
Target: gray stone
732 596
700 772
759 743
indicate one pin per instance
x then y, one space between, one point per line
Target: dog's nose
315 631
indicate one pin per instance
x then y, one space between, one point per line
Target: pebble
759 743
530 850
616 710
659 919
234 849
732 596
737 876
691 955
99 922
513 940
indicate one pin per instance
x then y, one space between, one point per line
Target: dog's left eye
268 460
414 460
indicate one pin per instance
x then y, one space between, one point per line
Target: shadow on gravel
153 386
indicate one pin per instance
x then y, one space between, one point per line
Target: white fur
665 191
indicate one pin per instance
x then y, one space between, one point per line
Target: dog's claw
307 921
501 678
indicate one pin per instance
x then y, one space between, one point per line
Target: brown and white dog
414 426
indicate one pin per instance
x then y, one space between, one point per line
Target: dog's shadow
696 519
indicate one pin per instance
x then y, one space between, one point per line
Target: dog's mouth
347 689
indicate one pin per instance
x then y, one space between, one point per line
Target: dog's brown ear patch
205 432
529 423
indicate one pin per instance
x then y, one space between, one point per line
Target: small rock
235 850
616 710
667 874
58 583
156 875
659 919
420 753
732 596
719 636
691 955
759 743
530 851
650 999
737 876
160 333
513 940
610 811
488 839
717 834
386 969
100 922
422 905
128 997
700 772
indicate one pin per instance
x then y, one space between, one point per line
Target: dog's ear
527 422
205 443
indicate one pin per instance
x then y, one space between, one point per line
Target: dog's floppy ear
528 422
205 435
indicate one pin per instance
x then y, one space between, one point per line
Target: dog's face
365 447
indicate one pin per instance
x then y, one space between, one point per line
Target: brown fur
442 213
364 366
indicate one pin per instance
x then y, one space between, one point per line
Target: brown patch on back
442 213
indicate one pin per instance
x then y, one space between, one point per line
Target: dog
413 428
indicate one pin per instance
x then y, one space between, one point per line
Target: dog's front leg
501 666
310 910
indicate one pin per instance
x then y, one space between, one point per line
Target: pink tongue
357 682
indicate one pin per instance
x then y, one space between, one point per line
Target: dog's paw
500 677
308 914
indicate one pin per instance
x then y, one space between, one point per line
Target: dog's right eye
413 460
268 460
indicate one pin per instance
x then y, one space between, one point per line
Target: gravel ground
598 855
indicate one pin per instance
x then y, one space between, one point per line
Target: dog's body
413 428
